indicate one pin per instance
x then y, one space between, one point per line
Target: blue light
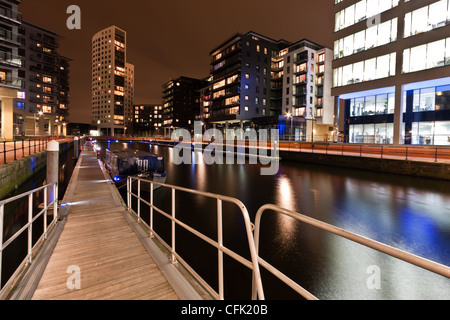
116 178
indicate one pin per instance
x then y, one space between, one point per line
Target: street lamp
40 113
292 119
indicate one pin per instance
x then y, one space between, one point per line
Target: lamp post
40 113
292 120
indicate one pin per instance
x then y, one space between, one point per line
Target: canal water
16 213
409 213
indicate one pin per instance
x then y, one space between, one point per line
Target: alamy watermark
230 149
374 280
74 20
74 280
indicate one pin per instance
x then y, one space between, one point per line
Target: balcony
10 14
50 41
7 35
14 83
11 59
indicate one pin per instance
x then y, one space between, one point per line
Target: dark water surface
412 214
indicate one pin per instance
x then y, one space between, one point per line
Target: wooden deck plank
113 263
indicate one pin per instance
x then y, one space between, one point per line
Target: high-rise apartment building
241 85
307 105
112 82
181 103
391 71
10 63
259 82
43 103
147 119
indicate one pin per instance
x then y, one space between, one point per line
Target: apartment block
147 119
307 105
181 103
391 71
43 104
112 82
241 80
10 62
264 83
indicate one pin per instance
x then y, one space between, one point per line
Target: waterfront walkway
99 255
11 151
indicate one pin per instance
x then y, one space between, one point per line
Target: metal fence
253 236
221 249
394 252
13 150
32 216
413 153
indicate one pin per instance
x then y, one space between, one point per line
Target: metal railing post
45 213
173 258
55 204
139 201
128 193
30 226
220 245
151 210
2 210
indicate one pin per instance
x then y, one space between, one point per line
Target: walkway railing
428 153
28 227
13 150
253 264
399 254
416 153
253 240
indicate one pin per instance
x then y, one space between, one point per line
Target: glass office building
391 71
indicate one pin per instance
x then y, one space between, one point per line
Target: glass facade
427 116
371 69
369 110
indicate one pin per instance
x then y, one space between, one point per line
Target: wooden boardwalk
99 242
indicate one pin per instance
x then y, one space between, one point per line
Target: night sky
168 39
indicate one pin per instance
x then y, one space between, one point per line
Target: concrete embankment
424 169
17 172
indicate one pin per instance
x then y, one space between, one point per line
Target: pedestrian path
98 255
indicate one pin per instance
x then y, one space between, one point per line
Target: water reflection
412 214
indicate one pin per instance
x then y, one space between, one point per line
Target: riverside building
307 105
43 104
259 82
241 81
391 71
11 79
147 120
112 82
181 103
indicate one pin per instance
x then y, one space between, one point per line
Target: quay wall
15 173
423 169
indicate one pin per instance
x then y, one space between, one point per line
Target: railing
399 254
417 153
253 265
16 149
253 240
28 227
401 152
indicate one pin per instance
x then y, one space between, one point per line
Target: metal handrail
253 264
19 150
28 227
394 252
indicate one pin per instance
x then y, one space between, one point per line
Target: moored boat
124 163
